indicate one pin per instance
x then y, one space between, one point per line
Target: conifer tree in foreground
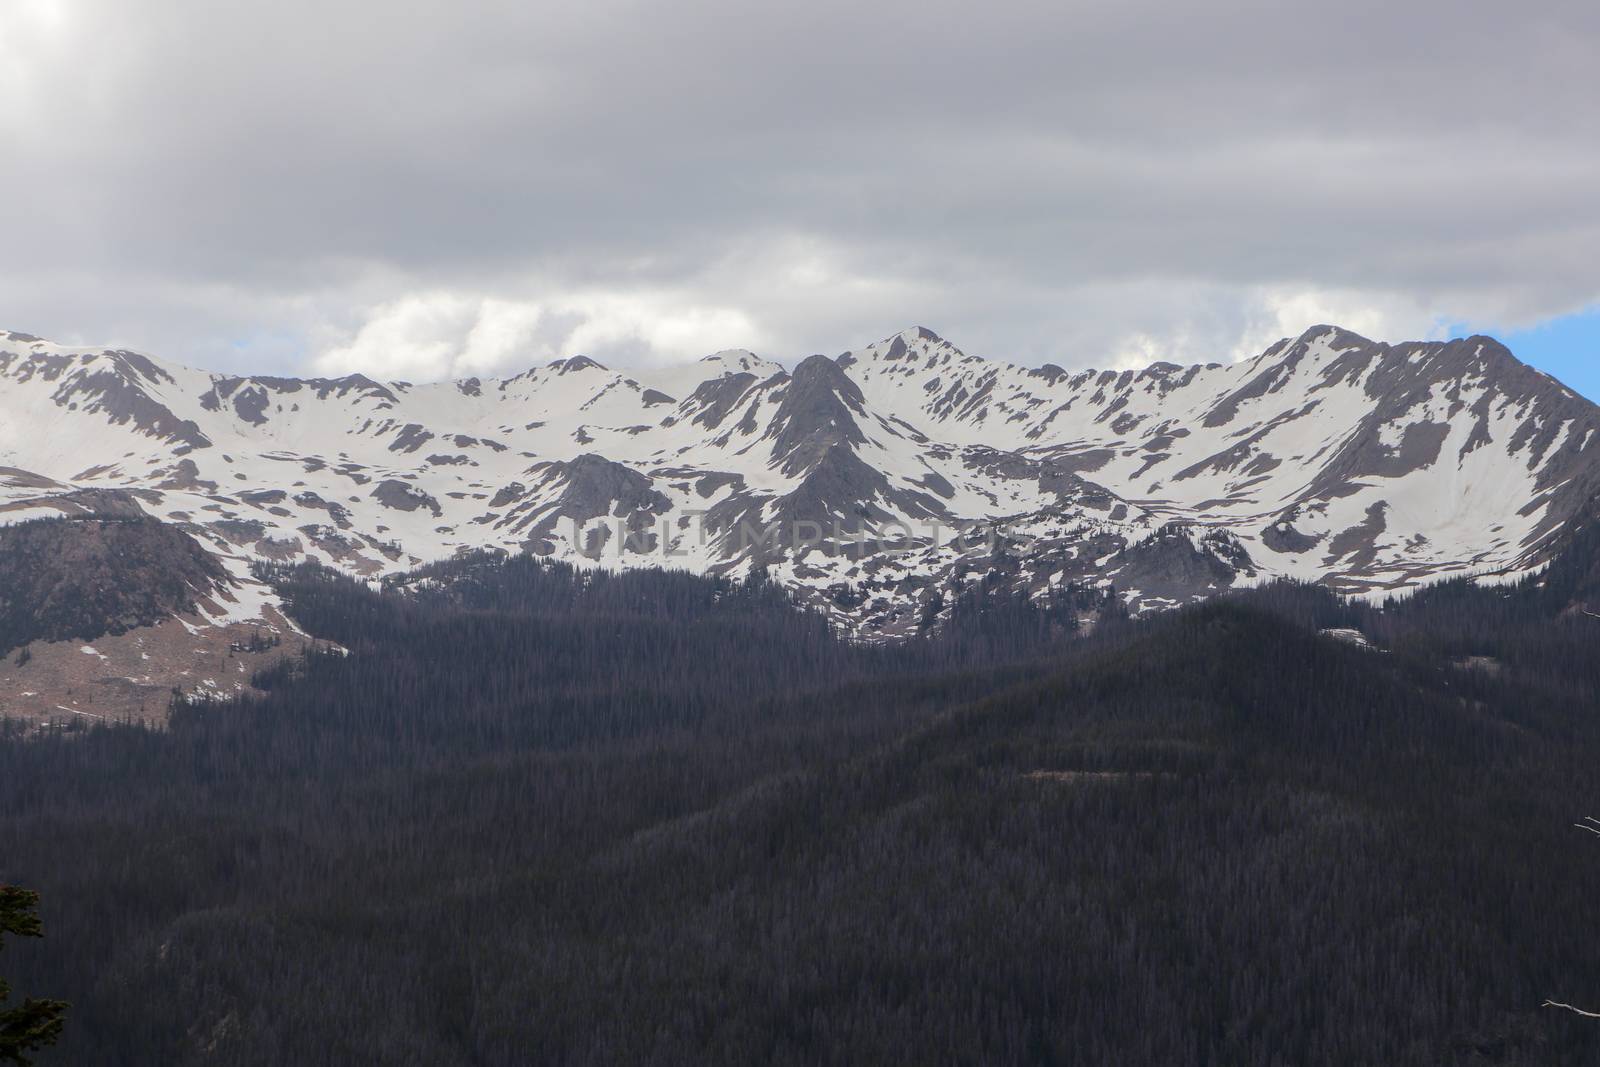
36 1023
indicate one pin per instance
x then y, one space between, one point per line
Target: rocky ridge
871 483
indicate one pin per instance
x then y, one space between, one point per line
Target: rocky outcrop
77 579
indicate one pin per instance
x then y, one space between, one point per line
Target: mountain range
872 484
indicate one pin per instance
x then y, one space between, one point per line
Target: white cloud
434 335
1287 312
470 188
415 337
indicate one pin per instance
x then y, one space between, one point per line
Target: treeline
540 814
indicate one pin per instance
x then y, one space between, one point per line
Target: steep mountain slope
1330 457
873 484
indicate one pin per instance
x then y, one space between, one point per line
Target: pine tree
37 1023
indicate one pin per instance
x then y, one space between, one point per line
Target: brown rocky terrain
111 614
135 675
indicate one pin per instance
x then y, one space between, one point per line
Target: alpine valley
873 485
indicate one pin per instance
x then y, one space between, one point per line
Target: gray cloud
428 188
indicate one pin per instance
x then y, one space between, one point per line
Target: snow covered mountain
873 482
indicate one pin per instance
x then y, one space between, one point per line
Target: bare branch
1569 1007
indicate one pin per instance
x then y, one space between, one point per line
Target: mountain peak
1334 336
816 413
737 361
1329 458
916 335
915 343
818 368
575 363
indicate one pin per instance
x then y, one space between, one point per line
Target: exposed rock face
592 487
713 400
401 496
872 482
120 388
817 414
1173 563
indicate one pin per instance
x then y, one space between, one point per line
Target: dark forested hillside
540 815
83 577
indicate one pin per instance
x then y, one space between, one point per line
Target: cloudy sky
420 189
